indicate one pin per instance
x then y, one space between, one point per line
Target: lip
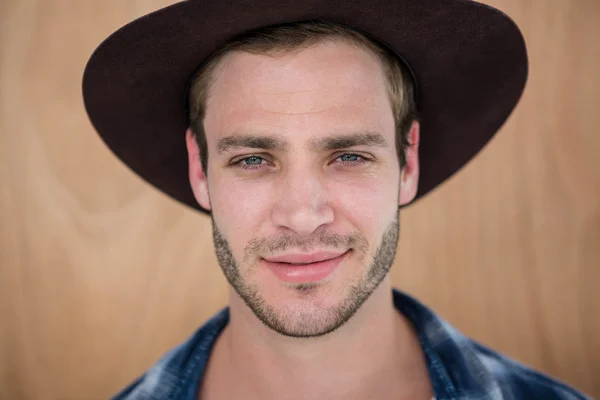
312 272
305 258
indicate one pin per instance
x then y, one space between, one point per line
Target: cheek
367 202
241 206
365 197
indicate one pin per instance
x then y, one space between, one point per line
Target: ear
198 180
409 176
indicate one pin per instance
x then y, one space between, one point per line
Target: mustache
324 240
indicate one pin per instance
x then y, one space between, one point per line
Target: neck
376 354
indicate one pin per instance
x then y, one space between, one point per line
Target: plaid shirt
459 367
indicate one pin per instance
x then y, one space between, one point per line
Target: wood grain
101 274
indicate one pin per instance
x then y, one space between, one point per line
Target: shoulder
519 381
178 372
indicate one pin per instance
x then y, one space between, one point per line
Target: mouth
305 272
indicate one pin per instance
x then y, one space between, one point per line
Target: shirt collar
455 368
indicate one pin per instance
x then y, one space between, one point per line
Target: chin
306 309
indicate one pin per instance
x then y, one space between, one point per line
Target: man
294 126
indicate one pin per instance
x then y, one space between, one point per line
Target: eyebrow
328 143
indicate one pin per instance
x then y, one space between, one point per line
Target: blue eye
254 161
255 158
351 155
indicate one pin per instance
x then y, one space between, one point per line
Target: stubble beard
306 325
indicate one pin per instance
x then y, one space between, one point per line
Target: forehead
330 87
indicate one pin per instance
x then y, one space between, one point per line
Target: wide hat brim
469 61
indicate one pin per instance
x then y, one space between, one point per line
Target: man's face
303 197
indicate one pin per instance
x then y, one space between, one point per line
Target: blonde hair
279 39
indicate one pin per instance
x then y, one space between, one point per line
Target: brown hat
468 60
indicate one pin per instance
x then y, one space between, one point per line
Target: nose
302 203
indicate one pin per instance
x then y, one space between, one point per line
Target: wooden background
101 274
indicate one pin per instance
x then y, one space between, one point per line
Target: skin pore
339 338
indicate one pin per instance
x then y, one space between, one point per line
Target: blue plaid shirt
459 367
